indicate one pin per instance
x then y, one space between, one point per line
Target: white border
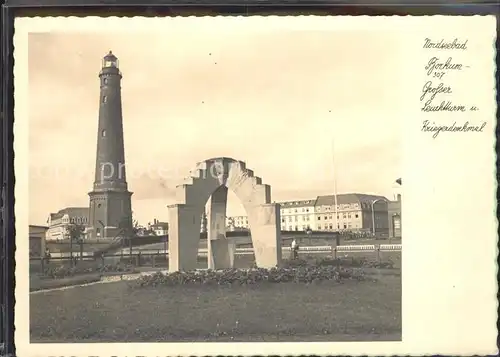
448 308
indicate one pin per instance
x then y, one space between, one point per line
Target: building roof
347 198
159 225
37 226
296 204
71 212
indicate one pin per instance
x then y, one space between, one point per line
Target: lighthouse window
103 133
105 81
104 99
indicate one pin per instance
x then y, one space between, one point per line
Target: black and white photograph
227 180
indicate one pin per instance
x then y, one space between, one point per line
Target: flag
398 181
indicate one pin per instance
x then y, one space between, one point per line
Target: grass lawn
114 312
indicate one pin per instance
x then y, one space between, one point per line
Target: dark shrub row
339 262
304 274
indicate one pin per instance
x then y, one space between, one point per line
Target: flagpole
335 186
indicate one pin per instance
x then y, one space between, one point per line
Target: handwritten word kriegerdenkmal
445 45
464 128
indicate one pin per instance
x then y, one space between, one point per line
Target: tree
128 230
75 233
128 227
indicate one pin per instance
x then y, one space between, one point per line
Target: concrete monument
211 180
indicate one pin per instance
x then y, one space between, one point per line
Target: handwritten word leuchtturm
437 91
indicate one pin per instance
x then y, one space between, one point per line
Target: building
297 215
58 222
354 212
37 236
159 228
204 222
110 208
394 218
237 223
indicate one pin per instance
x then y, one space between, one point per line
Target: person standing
295 249
47 255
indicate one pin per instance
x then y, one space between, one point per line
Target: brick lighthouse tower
110 201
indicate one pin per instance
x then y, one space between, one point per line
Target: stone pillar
266 234
219 252
183 237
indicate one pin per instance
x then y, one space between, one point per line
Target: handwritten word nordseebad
445 45
464 128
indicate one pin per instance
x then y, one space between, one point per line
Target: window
99 205
356 215
319 218
331 226
283 220
103 133
104 98
307 209
105 80
326 217
345 226
319 227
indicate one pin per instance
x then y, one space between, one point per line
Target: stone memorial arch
211 179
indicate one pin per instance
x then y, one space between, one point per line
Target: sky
288 103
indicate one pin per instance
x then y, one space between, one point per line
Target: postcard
236 185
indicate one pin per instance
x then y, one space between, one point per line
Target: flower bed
304 274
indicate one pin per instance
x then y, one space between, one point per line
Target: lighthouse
110 209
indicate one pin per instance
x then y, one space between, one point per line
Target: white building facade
59 222
297 215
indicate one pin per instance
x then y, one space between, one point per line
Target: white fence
245 251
